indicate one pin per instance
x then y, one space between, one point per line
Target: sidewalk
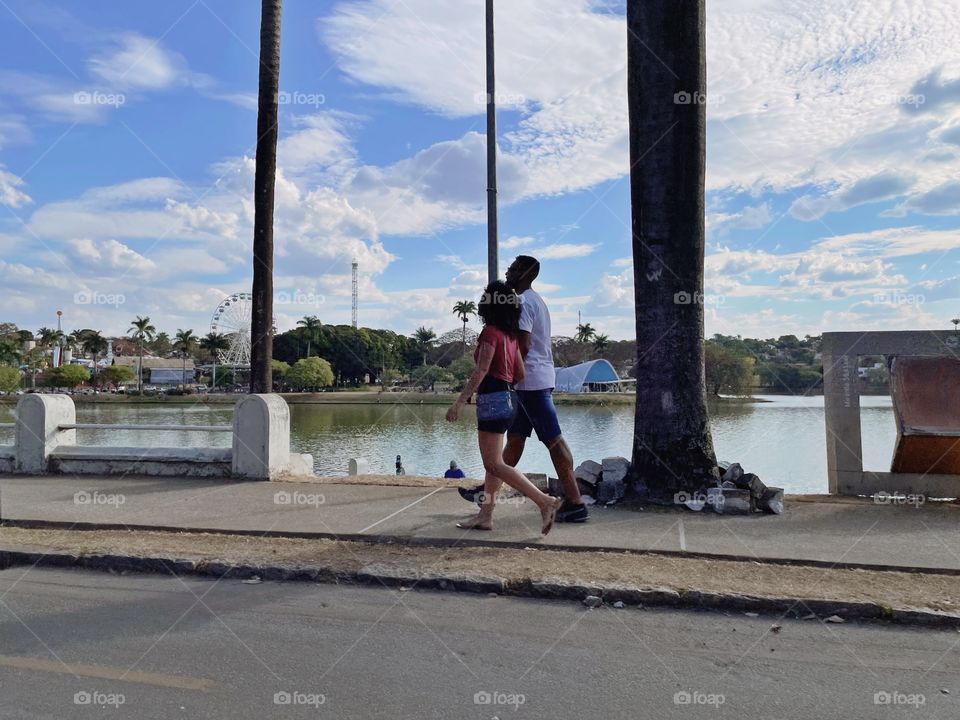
818 530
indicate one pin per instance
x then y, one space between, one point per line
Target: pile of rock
737 493
605 481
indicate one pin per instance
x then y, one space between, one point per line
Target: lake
782 440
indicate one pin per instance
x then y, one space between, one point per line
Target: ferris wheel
232 320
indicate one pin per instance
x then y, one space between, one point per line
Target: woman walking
498 366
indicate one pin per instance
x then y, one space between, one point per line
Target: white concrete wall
37 430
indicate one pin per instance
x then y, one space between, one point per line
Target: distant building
162 371
592 376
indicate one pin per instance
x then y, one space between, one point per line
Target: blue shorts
536 412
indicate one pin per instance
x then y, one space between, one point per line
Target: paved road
158 647
855 532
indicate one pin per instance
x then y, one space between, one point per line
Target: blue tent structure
592 376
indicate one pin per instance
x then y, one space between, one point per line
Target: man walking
535 394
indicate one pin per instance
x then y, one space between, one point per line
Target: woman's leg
491 450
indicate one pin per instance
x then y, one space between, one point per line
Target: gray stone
772 501
610 490
555 487
593 601
733 473
588 472
727 501
539 479
619 605
615 468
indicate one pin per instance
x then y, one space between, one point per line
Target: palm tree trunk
140 371
261 324
464 336
666 67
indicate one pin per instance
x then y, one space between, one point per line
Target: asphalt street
77 644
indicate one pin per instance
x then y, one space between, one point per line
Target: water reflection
782 440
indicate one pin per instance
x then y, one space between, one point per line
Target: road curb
545 588
471 542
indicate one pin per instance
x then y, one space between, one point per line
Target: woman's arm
484 359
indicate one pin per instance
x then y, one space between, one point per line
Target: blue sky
127 131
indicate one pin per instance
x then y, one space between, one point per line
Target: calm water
781 440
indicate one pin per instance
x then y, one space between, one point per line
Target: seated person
454 473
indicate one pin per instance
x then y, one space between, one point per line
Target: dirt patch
890 589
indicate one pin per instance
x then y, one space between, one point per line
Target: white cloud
563 251
10 193
139 63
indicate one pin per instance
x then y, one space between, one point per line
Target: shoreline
360 397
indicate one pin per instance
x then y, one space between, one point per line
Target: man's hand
453 413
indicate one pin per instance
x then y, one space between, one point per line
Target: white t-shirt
535 319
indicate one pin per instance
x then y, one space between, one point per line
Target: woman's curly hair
500 306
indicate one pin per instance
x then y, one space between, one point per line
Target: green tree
309 373
585 333
727 370
424 337
68 376
461 369
427 377
94 344
116 375
264 183
186 343
9 379
464 309
280 370
666 64
600 344
312 328
142 331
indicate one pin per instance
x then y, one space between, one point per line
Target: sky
127 137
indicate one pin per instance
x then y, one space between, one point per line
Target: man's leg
563 463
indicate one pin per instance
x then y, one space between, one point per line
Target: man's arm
524 339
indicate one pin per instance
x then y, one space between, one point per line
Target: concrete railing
46 443
845 473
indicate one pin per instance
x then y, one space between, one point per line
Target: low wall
46 443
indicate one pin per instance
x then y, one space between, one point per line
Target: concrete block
261 437
588 471
38 431
540 480
358 466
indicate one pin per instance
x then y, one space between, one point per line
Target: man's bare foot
549 514
476 523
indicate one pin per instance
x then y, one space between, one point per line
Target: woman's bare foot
476 523
549 513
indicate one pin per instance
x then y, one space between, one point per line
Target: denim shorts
536 412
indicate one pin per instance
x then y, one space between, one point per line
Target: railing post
38 432
261 437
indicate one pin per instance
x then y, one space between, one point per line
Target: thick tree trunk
261 325
666 82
